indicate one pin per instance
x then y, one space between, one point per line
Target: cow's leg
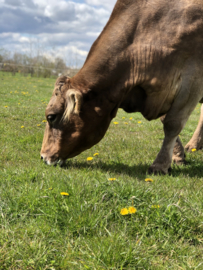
163 160
178 156
176 119
196 142
178 153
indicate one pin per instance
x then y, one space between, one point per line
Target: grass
41 229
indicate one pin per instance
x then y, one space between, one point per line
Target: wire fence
37 70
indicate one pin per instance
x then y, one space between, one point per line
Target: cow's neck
107 65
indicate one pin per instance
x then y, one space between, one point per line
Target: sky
53 27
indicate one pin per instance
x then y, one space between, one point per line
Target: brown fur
148 58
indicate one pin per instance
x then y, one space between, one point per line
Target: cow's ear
74 103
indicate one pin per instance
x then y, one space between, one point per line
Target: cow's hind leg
196 142
178 153
178 156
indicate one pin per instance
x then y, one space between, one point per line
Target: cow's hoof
189 147
158 169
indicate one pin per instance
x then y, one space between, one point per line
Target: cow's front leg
196 142
172 127
162 163
178 156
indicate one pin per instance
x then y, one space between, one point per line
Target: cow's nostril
41 157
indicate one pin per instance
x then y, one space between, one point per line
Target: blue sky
53 27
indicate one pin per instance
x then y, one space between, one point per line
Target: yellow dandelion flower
123 117
156 206
38 125
148 180
112 179
96 154
18 103
139 122
193 150
22 126
50 188
124 211
44 121
89 158
6 106
131 118
115 123
11 92
64 194
132 210
126 123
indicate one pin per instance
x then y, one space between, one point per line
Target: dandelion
126 123
112 179
124 211
156 206
115 123
127 211
89 158
22 126
18 103
44 121
132 210
131 118
193 150
123 117
96 154
38 125
50 188
6 106
139 122
64 194
148 180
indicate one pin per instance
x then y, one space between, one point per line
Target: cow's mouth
58 161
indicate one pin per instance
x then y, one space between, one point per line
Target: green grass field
42 229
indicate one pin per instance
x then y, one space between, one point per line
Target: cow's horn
74 103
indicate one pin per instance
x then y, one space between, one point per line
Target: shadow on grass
137 171
192 169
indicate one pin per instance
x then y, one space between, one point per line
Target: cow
147 59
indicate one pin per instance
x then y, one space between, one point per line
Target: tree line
37 66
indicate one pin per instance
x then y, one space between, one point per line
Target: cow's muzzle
53 163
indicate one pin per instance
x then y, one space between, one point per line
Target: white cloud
66 27
106 3
24 40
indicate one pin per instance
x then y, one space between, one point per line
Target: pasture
42 229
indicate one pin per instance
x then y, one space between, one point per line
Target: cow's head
76 120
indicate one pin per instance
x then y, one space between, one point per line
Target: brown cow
148 59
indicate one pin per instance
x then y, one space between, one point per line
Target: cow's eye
51 118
